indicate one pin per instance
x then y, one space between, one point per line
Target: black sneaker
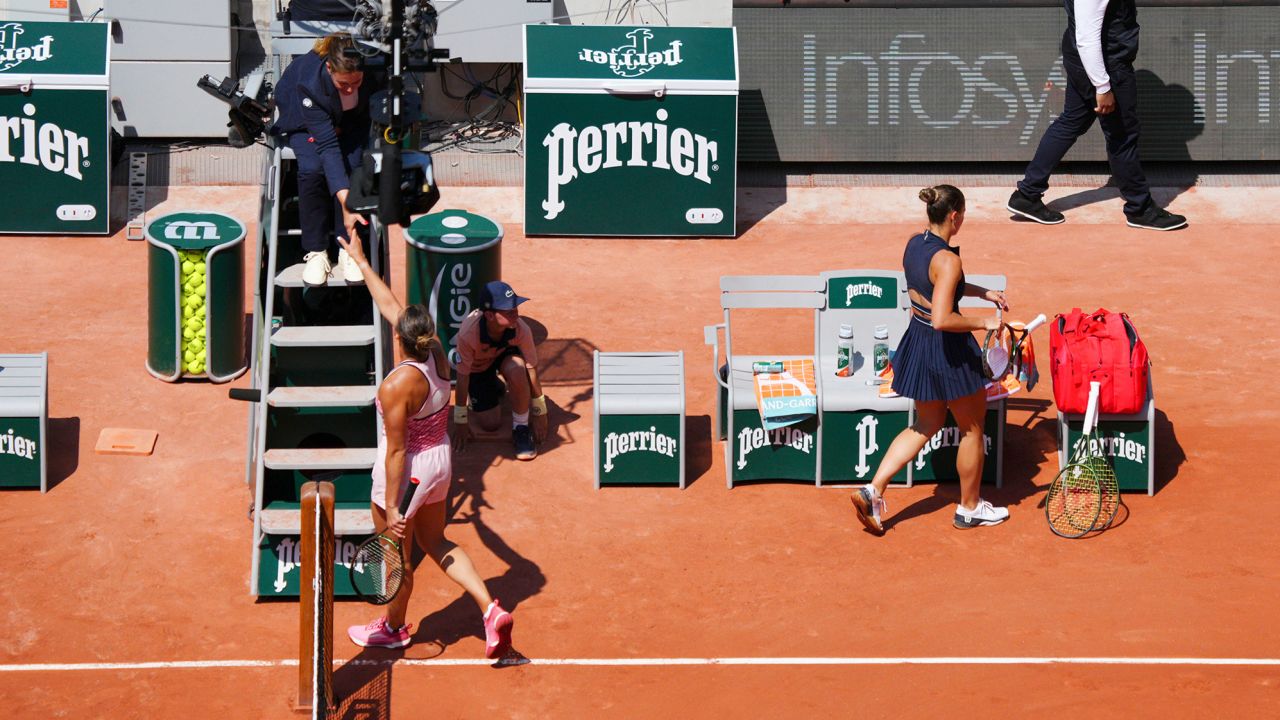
523 439
1020 204
1157 219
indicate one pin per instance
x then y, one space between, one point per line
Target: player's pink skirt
433 467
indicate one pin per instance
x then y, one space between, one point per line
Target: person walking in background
413 442
1098 50
939 365
324 118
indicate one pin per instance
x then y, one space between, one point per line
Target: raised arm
388 304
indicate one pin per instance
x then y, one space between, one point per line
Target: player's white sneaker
350 271
870 508
317 270
983 514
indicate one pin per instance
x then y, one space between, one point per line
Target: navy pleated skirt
931 364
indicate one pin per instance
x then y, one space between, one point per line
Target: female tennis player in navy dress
939 364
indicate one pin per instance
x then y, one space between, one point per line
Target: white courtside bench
24 417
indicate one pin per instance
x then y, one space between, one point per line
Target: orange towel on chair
788 397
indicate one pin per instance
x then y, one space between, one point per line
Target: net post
315 600
326 548
306 599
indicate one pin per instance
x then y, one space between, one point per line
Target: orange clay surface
146 559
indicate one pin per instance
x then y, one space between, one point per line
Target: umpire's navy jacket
311 111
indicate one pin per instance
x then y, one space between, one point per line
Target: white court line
655 662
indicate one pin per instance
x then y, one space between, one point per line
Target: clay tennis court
126 588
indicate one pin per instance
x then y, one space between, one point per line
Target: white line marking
652 662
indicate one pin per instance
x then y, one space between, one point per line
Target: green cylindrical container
195 319
451 256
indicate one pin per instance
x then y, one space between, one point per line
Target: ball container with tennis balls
192 284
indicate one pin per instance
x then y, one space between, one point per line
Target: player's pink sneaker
379 634
497 631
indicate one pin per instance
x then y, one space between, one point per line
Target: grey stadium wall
836 81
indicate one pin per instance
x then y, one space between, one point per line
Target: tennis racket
1106 475
1074 501
995 359
998 359
378 568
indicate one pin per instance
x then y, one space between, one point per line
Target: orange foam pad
126 441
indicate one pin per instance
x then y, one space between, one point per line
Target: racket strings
1073 501
377 570
1109 488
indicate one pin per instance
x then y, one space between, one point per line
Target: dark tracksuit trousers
318 211
1120 128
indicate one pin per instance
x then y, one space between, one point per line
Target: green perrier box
630 130
54 155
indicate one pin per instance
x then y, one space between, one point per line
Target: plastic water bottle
880 352
844 351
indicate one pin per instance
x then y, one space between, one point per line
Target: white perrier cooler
630 130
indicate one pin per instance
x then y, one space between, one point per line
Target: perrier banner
54 155
630 130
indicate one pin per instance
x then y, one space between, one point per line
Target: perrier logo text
571 151
616 444
11 55
634 59
11 444
866 288
49 146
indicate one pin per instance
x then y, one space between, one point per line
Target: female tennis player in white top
413 441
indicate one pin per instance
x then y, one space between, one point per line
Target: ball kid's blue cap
498 295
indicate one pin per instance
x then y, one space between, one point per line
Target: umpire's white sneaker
348 268
983 514
317 270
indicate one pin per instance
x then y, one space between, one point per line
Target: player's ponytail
418 337
942 201
333 48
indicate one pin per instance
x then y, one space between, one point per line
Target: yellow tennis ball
187 311
198 367
188 267
197 345
201 355
200 267
189 356
200 289
188 332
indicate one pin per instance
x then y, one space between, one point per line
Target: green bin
55 160
195 321
451 256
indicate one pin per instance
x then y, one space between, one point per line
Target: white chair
794 450
857 423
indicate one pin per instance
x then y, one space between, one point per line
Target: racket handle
1091 412
408 495
1040 320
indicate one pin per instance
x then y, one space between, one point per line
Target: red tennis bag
1100 347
